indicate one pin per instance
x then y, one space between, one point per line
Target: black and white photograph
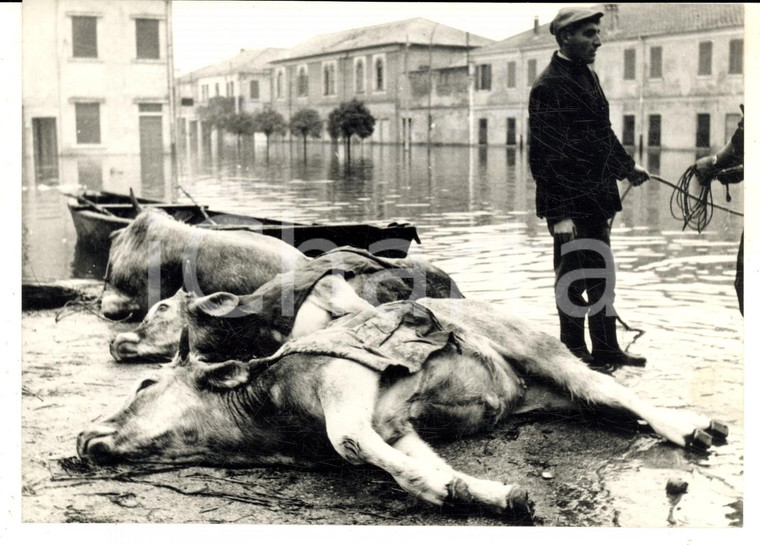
379 264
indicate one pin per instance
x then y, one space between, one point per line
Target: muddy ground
580 472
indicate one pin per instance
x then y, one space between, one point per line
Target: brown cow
368 387
156 255
227 326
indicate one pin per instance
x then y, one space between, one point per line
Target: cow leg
348 394
499 497
582 384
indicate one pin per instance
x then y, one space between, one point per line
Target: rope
695 211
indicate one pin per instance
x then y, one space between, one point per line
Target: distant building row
673 74
96 79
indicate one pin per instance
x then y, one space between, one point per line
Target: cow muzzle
124 347
96 445
119 307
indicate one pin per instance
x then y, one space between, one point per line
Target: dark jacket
575 156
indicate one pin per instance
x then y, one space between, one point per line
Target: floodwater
474 211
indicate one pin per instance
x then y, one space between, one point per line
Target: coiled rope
696 211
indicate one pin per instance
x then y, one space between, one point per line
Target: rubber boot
604 343
572 335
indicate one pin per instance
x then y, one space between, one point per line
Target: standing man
576 160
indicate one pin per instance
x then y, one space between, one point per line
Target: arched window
303 82
379 75
279 84
360 76
328 79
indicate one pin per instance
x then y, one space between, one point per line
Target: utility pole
430 85
172 98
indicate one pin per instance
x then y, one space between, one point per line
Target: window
483 77
511 75
84 37
204 93
655 62
531 71
230 88
328 79
736 57
359 75
216 88
705 58
703 130
655 130
280 84
146 34
379 74
483 131
629 130
511 131
88 122
302 82
629 64
254 89
187 101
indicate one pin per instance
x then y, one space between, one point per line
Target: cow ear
217 304
184 344
223 376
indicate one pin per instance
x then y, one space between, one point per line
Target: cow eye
162 307
145 383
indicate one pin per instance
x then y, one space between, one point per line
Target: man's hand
638 176
565 230
705 169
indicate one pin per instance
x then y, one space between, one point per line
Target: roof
246 60
634 20
417 31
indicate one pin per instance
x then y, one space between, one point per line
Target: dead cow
226 326
369 387
157 250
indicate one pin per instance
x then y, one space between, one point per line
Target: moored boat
97 214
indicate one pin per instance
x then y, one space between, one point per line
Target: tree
307 123
349 119
240 124
217 111
269 122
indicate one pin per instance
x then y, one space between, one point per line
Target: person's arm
731 154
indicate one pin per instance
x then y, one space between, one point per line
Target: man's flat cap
569 16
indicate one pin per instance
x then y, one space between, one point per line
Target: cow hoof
519 504
700 440
458 492
718 430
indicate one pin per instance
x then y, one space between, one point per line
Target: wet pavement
473 210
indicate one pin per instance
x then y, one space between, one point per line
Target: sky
207 32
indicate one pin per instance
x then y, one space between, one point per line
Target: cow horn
184 345
135 204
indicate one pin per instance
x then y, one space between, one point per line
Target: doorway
45 142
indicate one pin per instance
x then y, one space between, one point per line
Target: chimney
611 17
535 25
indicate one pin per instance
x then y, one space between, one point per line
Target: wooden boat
97 214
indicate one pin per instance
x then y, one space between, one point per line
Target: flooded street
474 212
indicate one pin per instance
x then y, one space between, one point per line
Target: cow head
157 336
129 261
181 414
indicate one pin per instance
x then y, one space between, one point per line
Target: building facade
95 82
246 77
673 75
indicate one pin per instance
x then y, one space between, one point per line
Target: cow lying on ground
226 326
156 245
368 387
